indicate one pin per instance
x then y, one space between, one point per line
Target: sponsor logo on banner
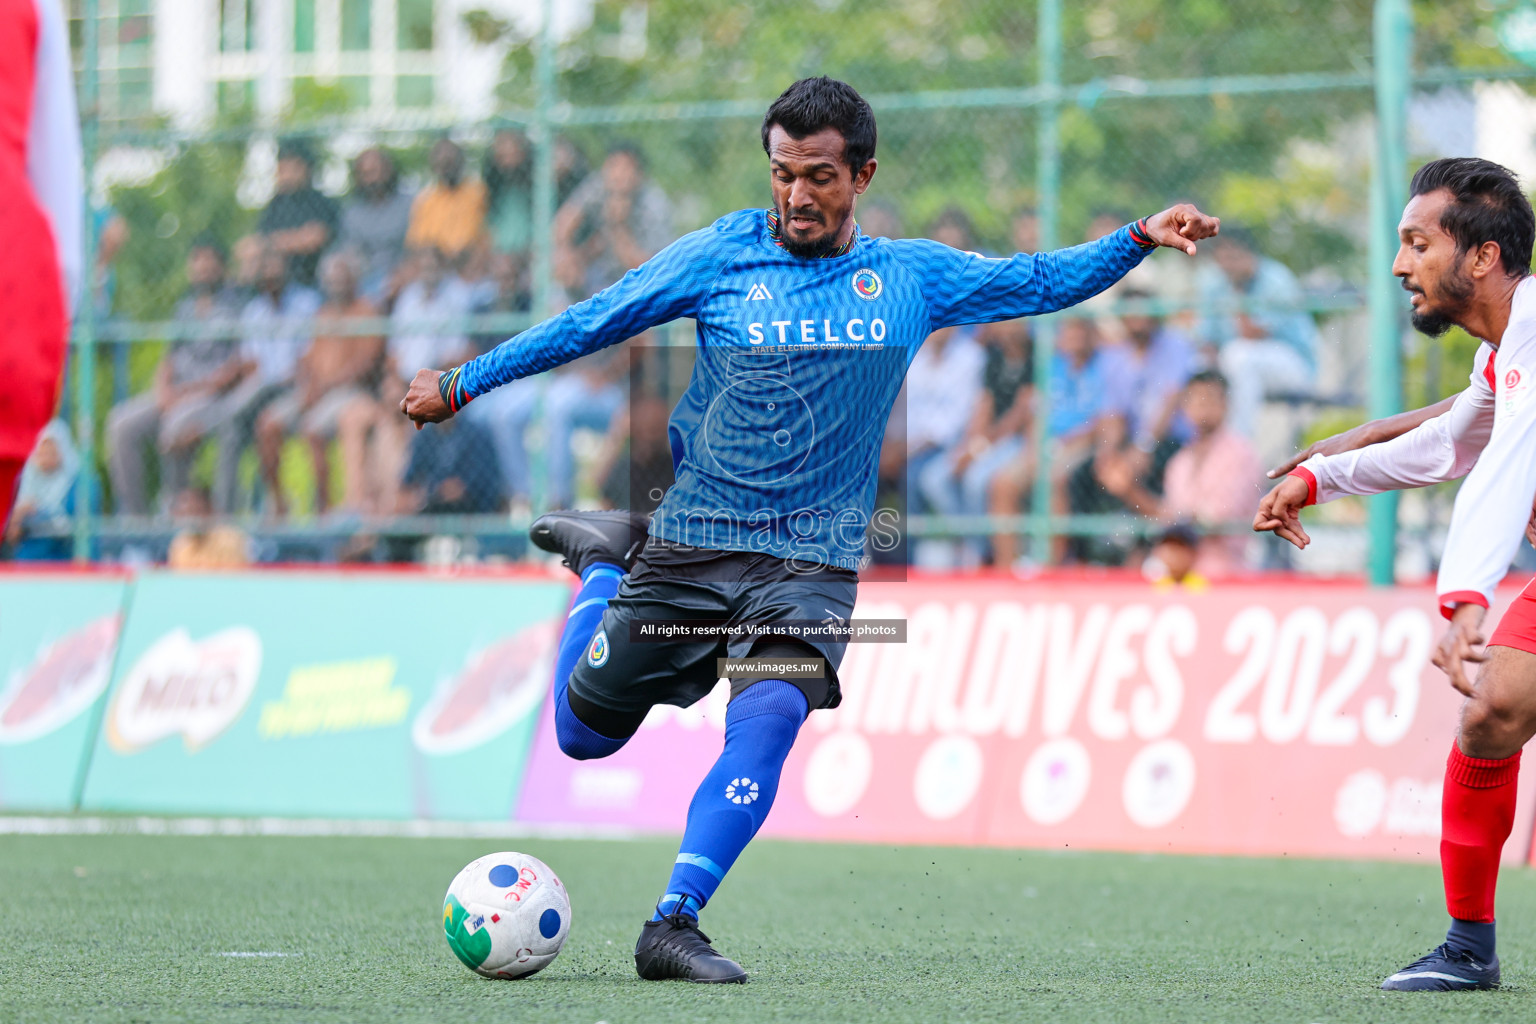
604 787
947 777
341 696
1366 804
1055 781
63 680
1158 783
838 773
498 687
197 688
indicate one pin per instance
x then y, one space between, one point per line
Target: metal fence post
85 302
544 163
1393 31
1047 189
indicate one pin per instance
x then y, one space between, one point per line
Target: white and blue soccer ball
506 915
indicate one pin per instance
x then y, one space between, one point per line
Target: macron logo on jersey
758 292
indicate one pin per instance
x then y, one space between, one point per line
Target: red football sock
1477 812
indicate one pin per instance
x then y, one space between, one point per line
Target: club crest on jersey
597 654
1515 381
867 284
758 293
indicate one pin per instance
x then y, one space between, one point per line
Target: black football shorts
623 671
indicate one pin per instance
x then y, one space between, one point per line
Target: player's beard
807 249
1455 292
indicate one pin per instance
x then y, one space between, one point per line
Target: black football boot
675 948
583 538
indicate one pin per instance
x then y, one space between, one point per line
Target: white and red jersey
41 197
39 125
1488 436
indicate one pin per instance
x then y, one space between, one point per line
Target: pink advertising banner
1264 718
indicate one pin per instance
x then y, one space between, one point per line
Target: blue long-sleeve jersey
776 440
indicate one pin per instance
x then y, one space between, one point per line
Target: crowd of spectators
1150 416
292 348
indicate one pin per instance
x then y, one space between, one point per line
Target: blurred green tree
1120 152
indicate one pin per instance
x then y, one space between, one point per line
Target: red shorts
1517 628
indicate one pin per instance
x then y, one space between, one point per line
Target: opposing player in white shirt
1465 256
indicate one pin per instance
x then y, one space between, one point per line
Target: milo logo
63 680
497 687
179 685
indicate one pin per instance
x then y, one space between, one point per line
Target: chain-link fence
291 217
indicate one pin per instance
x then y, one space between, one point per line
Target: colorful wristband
451 386
1141 236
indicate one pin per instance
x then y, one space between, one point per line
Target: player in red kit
40 201
1465 256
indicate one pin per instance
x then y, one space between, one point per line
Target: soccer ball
506 915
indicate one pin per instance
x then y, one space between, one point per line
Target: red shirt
40 199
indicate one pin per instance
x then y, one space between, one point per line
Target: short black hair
1487 206
391 169
296 148
629 148
814 104
1183 533
1212 377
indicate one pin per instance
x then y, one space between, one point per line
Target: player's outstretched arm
1180 227
1374 432
669 285
1280 511
967 288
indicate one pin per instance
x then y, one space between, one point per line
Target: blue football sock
1475 937
734 798
598 586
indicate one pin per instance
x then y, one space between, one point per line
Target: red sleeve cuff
1448 602
1303 473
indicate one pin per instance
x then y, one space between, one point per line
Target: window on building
237 26
124 55
356 25
303 26
414 24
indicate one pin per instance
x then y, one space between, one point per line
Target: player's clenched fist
1279 512
423 401
1180 227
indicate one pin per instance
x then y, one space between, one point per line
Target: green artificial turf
131 928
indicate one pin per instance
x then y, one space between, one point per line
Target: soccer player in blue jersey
805 328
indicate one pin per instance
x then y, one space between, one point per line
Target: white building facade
190 60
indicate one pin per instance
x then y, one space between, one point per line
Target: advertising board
1271 719
375 696
58 638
